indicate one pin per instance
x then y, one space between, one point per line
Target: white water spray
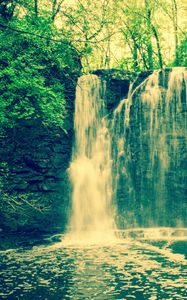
90 171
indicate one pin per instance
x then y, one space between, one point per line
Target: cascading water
149 146
122 182
90 171
136 161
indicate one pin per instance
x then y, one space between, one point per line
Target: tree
97 30
172 9
89 25
141 32
175 25
33 64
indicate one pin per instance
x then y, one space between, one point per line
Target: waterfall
90 170
135 159
122 182
149 143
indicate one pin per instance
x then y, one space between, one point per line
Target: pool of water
132 267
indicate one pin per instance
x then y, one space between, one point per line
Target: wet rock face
33 163
117 85
36 154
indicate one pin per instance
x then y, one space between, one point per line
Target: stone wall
33 170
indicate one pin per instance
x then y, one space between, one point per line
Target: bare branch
56 10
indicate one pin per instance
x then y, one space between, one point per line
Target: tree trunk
175 25
55 9
135 57
36 7
149 43
158 47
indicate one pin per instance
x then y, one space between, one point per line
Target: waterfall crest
90 170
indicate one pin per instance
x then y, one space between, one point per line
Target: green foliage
31 70
36 68
183 53
134 36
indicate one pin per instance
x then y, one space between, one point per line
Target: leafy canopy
31 69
